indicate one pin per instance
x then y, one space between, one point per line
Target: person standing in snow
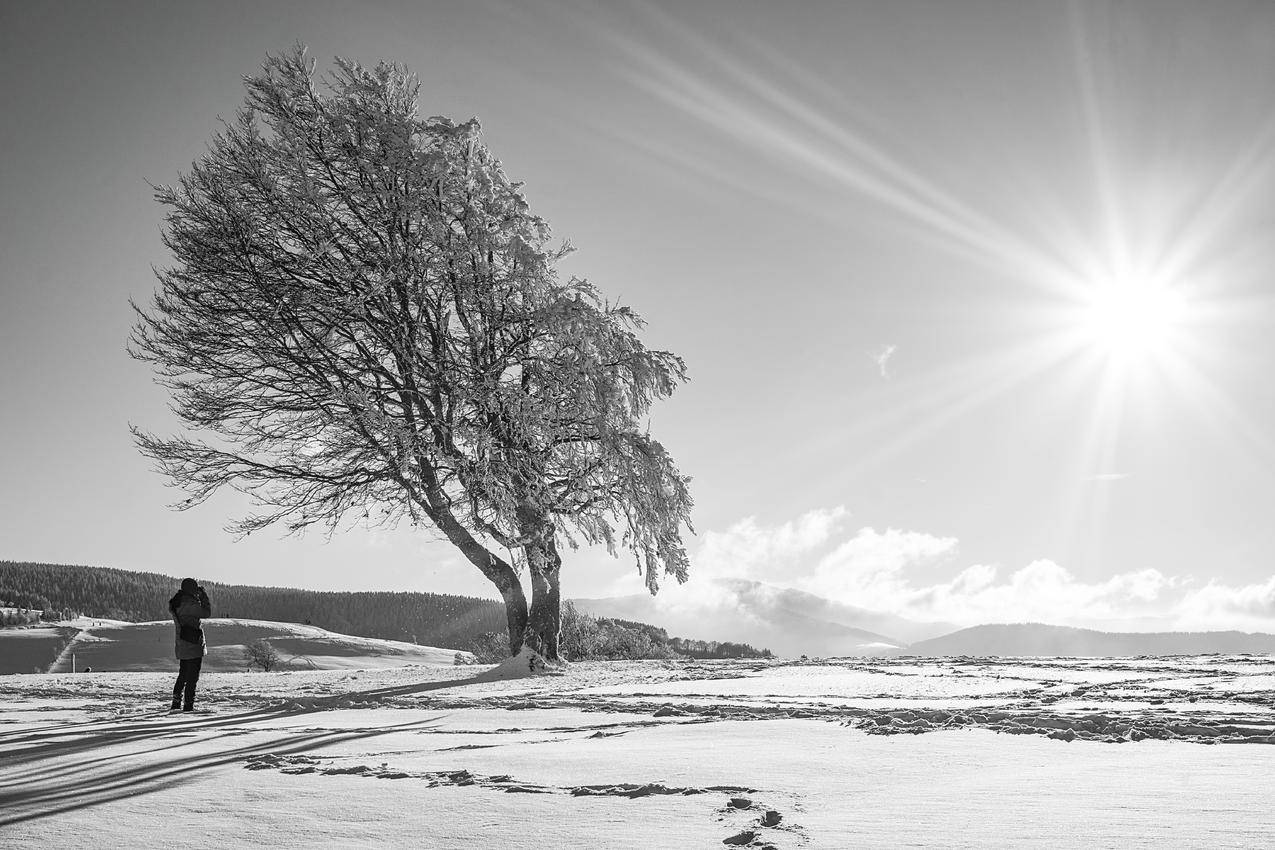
188 607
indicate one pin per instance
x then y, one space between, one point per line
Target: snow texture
827 754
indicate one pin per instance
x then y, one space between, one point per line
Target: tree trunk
545 620
506 580
497 571
515 614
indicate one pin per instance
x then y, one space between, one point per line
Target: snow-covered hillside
32 649
642 755
109 645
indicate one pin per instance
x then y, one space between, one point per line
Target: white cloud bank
749 550
918 575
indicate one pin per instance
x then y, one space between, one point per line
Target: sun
1133 317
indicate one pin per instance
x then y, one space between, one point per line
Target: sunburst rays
1129 272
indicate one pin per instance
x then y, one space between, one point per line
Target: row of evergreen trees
716 649
428 618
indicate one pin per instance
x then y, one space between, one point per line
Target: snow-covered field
824 754
115 646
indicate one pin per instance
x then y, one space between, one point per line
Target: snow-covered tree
365 320
261 653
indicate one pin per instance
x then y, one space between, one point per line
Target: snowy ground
834 754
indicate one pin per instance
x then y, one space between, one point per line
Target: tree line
433 619
588 638
17 615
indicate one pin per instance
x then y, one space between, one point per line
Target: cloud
749 550
1042 591
1249 607
919 575
903 572
879 571
873 564
881 356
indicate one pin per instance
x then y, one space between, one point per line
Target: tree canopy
364 321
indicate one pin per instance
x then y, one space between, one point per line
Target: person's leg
192 678
181 683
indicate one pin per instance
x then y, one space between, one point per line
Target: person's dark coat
189 610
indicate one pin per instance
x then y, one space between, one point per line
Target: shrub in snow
261 654
490 648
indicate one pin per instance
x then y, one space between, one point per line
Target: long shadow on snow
56 792
97 730
71 783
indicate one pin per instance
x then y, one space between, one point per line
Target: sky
975 297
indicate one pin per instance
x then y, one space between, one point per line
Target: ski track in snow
733 753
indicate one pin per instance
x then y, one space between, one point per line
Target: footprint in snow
755 835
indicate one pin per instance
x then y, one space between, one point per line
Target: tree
366 320
261 653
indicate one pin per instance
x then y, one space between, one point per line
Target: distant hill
1040 639
789 622
427 618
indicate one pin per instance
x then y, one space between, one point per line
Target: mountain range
1041 639
793 623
